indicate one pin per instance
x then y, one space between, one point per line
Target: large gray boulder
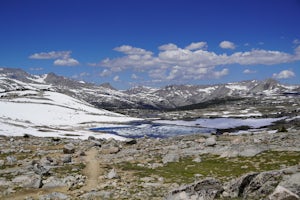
292 183
54 196
207 189
253 185
28 181
211 141
53 182
69 148
281 193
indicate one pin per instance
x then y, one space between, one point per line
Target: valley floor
250 166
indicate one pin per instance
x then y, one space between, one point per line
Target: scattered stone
253 185
2 163
69 148
96 195
211 141
170 157
11 160
53 182
38 168
91 138
205 189
112 174
110 150
292 183
66 158
130 141
282 193
28 181
80 153
55 196
197 159
250 151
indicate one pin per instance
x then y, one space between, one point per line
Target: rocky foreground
260 166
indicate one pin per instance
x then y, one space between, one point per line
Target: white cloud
227 45
132 50
134 76
285 74
197 45
173 63
168 47
36 68
248 71
105 73
51 55
296 41
116 78
81 75
219 74
66 62
62 58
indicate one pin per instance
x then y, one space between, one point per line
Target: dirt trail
92 170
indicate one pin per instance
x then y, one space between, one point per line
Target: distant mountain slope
169 97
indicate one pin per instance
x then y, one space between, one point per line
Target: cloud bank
227 45
61 58
285 74
194 62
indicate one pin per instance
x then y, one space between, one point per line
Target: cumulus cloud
36 68
105 73
81 75
173 63
285 74
134 76
248 71
168 47
227 45
116 78
66 62
51 55
61 58
196 45
296 41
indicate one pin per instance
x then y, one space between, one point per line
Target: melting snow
54 111
224 123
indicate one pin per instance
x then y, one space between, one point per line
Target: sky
153 43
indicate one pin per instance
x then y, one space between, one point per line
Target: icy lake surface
169 128
153 130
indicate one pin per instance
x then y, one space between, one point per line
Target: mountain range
141 97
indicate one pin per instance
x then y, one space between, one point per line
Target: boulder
96 195
253 185
281 193
28 181
40 169
54 196
207 189
170 157
110 150
292 183
211 141
130 141
69 148
11 160
112 174
53 182
251 150
66 158
2 163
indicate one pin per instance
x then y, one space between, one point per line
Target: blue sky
154 43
